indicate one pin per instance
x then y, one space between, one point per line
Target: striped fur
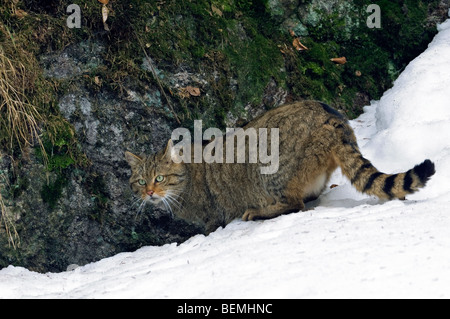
314 140
367 179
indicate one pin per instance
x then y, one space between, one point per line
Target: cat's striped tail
367 179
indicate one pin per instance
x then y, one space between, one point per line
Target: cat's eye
159 178
142 182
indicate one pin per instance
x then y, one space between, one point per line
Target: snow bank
387 250
350 245
413 117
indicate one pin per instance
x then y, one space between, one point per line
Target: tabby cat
314 140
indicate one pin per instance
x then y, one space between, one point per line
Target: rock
82 214
73 61
72 267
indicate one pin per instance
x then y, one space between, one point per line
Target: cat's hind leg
272 211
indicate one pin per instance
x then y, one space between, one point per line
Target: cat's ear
169 152
133 160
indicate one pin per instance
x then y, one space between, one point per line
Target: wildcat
314 139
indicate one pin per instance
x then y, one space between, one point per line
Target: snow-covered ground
349 245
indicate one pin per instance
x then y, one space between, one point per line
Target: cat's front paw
251 214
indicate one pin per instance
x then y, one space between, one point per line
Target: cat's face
155 178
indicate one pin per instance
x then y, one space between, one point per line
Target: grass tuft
19 119
5 221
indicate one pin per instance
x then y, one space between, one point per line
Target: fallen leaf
103 1
194 91
298 45
189 91
105 17
98 81
20 13
341 60
105 13
333 186
216 10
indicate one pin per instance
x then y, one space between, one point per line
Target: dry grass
19 119
11 232
5 220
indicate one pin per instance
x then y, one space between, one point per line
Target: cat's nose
150 192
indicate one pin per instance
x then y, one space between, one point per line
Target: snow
349 246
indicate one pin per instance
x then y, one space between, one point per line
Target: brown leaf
105 12
333 186
341 60
103 1
189 91
20 13
298 45
97 80
194 91
216 10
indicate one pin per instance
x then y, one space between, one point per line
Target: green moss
62 149
379 54
255 61
96 187
190 33
245 34
52 192
62 154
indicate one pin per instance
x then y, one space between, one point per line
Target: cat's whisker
181 191
140 203
169 196
142 206
177 195
168 207
174 196
173 201
136 202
